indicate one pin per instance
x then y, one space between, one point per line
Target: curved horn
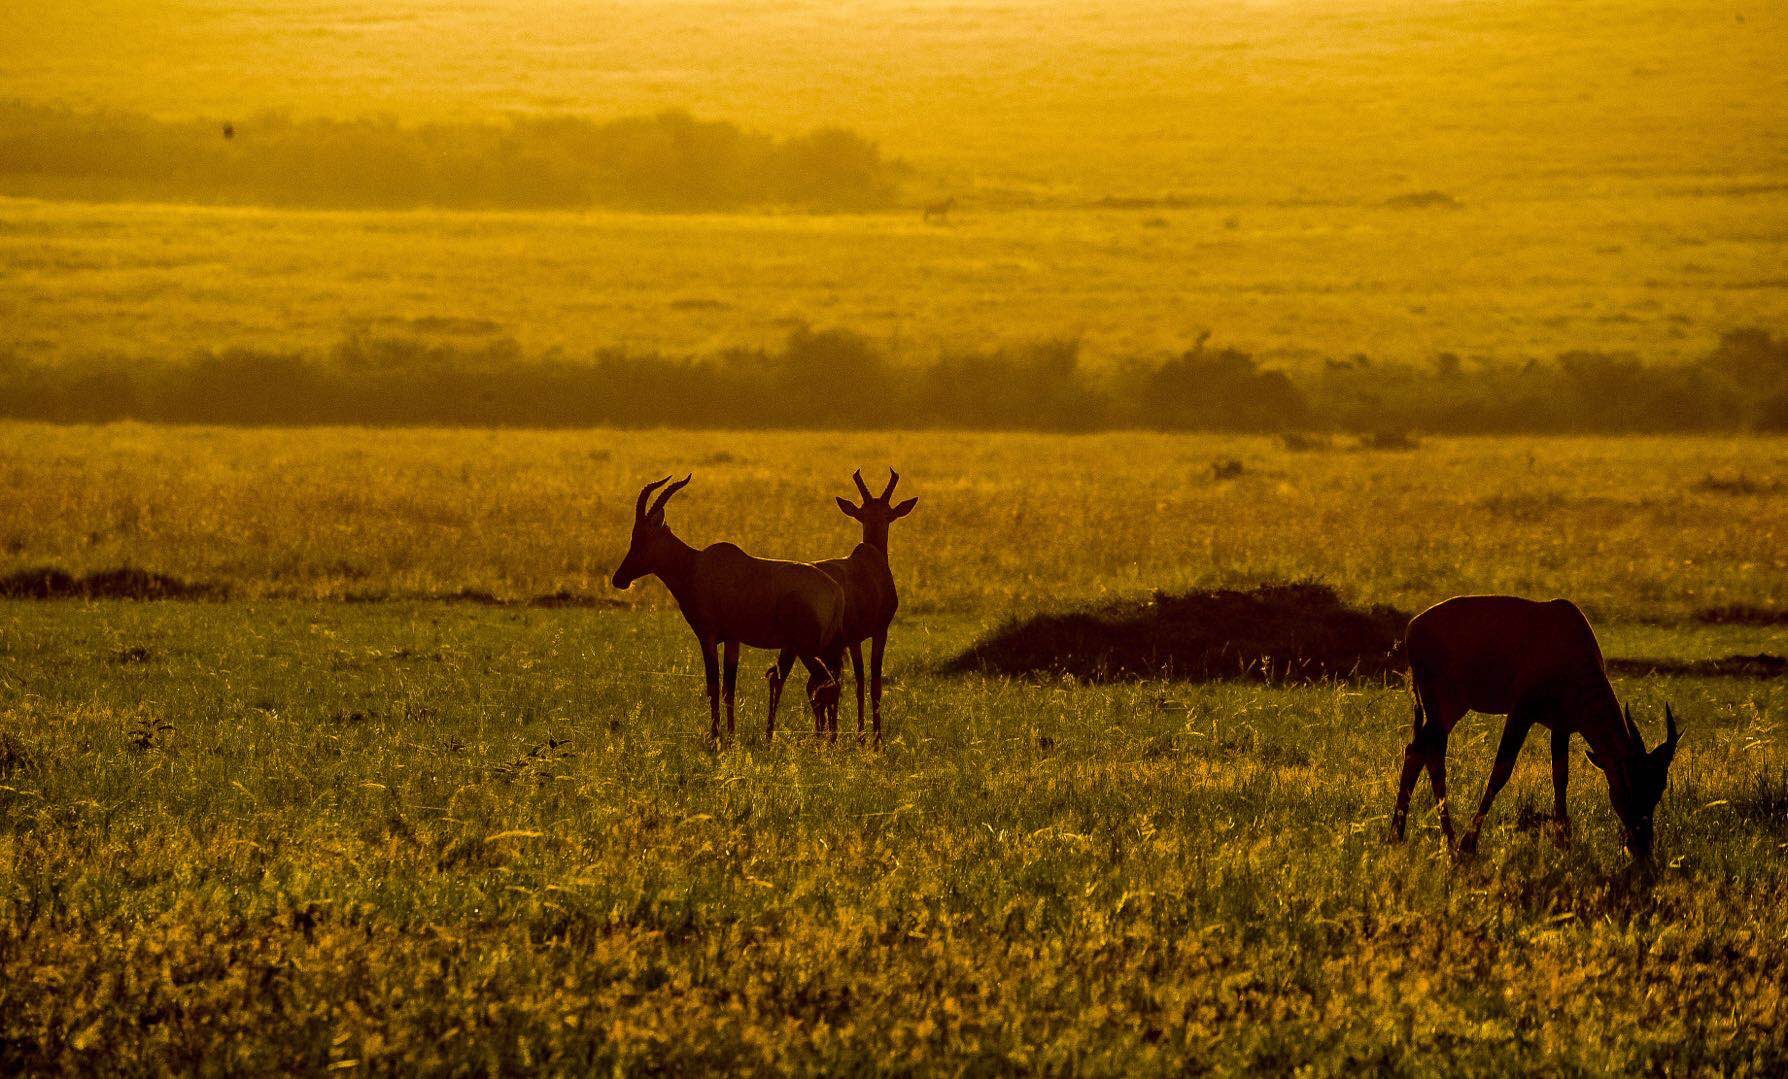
861 486
639 508
1632 728
888 491
658 506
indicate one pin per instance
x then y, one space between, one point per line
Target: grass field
1620 168
285 831
1631 528
1660 275
1040 96
398 782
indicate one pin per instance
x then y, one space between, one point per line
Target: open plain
409 785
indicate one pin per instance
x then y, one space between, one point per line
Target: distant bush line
668 162
840 379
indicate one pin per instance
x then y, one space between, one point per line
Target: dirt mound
1742 614
125 582
1275 633
1424 200
1764 665
566 598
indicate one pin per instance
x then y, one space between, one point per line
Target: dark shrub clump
1274 633
125 582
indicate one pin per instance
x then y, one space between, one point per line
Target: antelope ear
849 508
1666 751
905 507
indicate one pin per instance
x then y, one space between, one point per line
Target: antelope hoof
1468 846
1561 833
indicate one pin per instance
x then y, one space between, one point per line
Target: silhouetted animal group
814 612
1536 663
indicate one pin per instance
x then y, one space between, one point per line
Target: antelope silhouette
1534 663
870 599
939 211
730 598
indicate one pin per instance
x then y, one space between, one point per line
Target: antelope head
652 538
1637 786
877 512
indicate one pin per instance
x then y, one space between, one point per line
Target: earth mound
1278 633
1763 666
124 582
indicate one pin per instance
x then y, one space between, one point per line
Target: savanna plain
331 748
406 784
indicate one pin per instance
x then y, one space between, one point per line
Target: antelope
1534 663
869 597
939 211
730 598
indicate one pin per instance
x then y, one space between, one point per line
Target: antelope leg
1514 732
731 682
1437 778
1412 770
857 670
1561 775
778 678
877 644
711 668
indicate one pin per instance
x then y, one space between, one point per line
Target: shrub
1222 390
671 162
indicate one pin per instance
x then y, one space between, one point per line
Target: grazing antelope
1535 663
869 598
730 598
939 211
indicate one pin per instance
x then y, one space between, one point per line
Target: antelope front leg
1437 778
1412 770
731 682
1561 774
876 645
857 670
711 668
1514 732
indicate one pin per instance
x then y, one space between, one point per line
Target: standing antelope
939 211
730 598
1535 663
869 597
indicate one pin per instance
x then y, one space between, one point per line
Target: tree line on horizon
833 379
670 161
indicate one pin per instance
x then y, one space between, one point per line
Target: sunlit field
1658 275
1618 174
337 338
1276 97
447 826
1634 529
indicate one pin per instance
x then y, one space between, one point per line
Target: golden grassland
292 833
1012 523
416 789
1132 97
1657 275
1619 166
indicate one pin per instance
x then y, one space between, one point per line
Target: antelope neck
676 566
1607 734
880 542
